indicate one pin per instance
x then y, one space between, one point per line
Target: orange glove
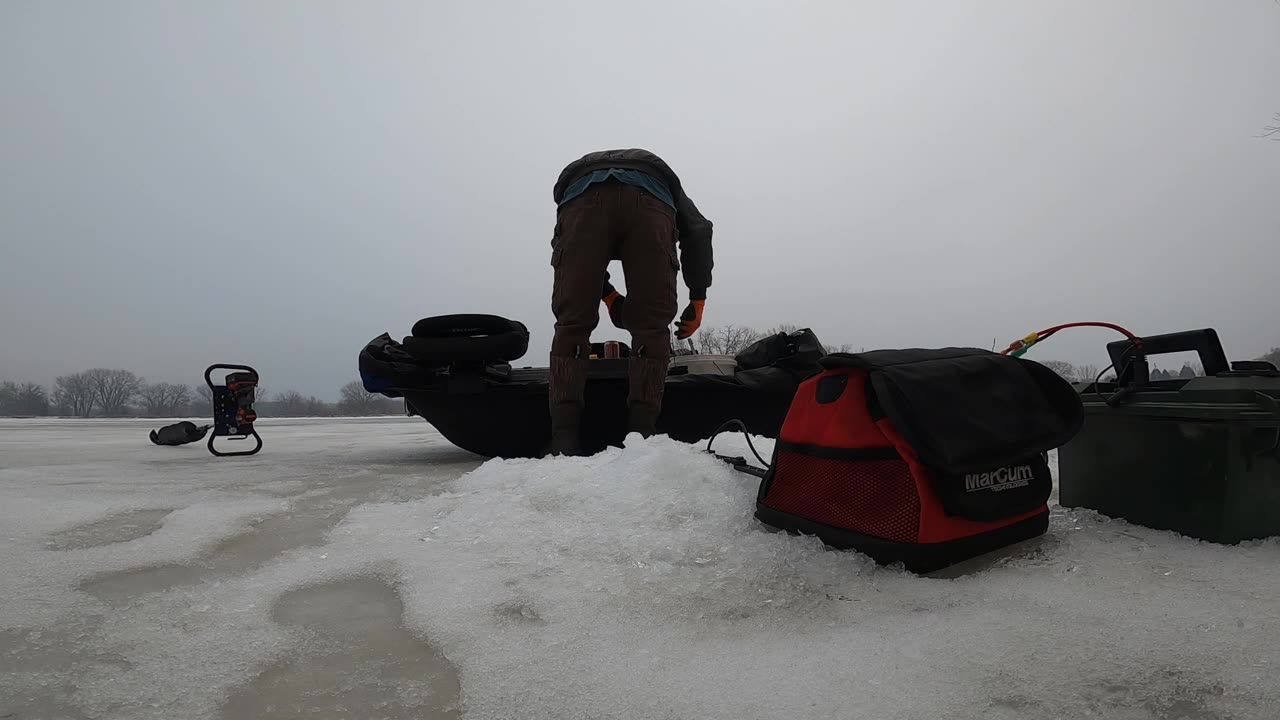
615 302
690 320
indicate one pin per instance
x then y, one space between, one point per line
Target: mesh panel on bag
872 497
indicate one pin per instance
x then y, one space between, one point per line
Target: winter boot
565 399
646 378
566 430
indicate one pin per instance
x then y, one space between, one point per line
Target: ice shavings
637 584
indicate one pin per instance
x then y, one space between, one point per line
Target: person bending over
625 205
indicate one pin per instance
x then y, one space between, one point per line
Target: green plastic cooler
1197 456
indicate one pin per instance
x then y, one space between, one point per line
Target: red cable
1137 340
1044 334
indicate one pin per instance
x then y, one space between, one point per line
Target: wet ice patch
358 655
55 642
179 621
120 527
38 582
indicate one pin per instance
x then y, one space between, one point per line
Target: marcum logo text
1002 479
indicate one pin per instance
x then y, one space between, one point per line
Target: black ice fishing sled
456 372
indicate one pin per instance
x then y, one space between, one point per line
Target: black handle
209 371
1203 342
219 453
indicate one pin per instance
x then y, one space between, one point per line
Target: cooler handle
1203 342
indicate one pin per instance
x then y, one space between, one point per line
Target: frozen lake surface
368 569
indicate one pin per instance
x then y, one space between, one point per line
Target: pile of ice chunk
637 584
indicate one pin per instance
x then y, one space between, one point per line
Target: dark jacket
694 230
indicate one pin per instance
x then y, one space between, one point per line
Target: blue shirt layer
631 177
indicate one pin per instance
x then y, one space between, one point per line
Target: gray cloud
277 183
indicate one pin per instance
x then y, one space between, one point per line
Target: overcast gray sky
279 182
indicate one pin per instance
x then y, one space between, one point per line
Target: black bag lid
966 409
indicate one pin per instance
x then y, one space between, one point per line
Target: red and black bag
925 457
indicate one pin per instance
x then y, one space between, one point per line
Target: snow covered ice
369 569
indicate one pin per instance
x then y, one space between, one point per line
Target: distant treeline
113 393
108 392
1089 373
730 339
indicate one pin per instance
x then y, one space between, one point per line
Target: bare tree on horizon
73 394
355 400
1065 370
23 399
1273 131
164 399
113 389
725 340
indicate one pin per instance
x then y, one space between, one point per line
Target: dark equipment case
1197 456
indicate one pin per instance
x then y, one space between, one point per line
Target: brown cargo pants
613 221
